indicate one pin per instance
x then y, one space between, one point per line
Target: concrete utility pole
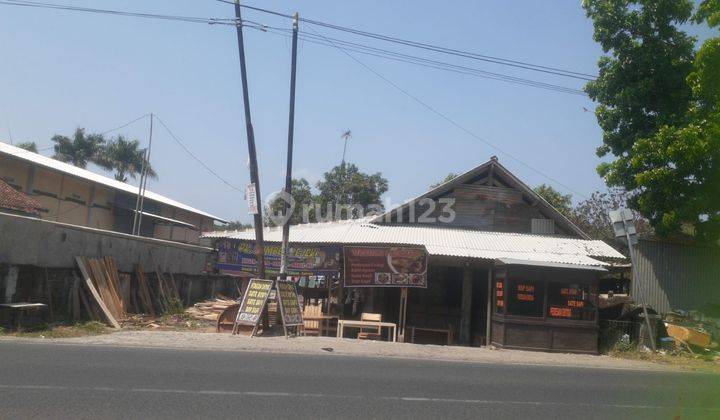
288 172
139 204
254 178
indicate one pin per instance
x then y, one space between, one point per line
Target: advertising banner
238 258
253 302
385 267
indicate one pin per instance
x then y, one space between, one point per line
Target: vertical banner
287 299
256 295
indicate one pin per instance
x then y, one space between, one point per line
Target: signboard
256 295
238 258
623 225
385 267
288 302
251 197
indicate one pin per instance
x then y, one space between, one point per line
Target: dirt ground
198 340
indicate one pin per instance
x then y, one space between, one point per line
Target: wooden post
466 305
403 314
488 325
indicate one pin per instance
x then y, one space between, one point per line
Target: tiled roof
12 199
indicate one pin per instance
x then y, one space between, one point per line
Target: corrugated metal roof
443 241
63 167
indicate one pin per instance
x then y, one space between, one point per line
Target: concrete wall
41 243
70 199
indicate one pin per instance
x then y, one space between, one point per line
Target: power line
425 62
435 48
126 124
209 169
189 19
448 119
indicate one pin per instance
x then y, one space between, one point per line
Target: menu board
288 302
385 267
256 295
570 301
238 258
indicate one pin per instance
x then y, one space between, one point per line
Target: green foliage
125 157
345 184
302 194
79 150
561 202
236 225
29 146
658 108
448 178
592 215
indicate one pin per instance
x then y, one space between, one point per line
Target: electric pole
140 203
288 172
254 178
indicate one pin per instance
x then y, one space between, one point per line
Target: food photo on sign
385 267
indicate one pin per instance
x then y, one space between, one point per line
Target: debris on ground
209 310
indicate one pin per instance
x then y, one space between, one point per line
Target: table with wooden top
322 319
342 323
446 331
19 308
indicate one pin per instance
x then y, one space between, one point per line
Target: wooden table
342 323
19 308
322 319
446 331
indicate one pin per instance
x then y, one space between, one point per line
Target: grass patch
80 329
701 362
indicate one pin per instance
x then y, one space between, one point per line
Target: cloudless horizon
65 69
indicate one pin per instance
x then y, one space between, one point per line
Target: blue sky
62 70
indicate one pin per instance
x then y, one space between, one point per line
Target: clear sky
61 70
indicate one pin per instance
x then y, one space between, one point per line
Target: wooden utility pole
254 178
288 171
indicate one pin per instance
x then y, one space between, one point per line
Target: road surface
70 381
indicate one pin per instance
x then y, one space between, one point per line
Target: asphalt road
61 381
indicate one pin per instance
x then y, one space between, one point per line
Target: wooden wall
487 204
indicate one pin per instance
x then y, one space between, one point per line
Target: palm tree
30 146
79 150
125 158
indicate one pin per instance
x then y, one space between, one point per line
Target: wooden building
502 265
73 195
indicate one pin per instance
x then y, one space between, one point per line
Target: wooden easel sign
287 299
253 303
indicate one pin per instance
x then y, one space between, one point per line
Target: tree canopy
80 149
449 177
343 185
658 109
29 146
125 158
561 202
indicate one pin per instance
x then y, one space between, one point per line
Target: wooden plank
93 291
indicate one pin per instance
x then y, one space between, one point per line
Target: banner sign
238 258
287 299
253 302
385 267
251 197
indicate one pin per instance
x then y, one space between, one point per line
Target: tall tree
678 168
592 215
125 158
29 146
79 150
658 111
561 202
449 177
302 196
346 185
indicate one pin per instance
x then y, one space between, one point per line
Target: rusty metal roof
445 241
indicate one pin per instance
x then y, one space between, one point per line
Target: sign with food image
385 267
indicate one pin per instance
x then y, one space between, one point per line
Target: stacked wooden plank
101 280
209 310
